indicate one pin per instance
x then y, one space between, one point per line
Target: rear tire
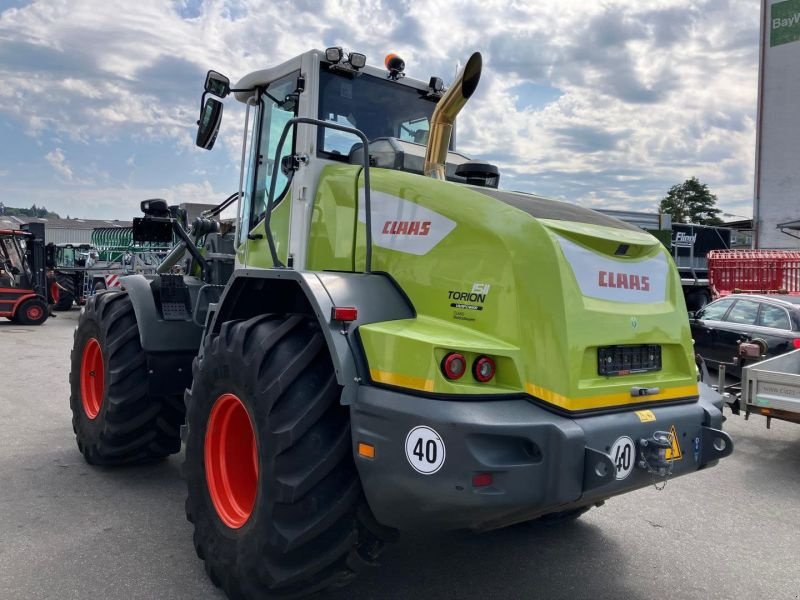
33 311
300 522
65 301
114 418
66 291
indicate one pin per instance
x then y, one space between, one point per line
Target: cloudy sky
606 104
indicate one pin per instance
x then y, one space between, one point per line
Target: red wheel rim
231 459
34 313
92 378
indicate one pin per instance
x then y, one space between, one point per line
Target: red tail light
454 365
481 480
483 369
796 343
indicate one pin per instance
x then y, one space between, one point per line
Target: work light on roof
334 54
435 85
357 60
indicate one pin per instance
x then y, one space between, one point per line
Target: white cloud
58 161
652 92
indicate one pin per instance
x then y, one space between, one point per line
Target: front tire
114 418
290 517
33 311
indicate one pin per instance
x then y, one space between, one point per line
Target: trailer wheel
114 418
32 312
273 492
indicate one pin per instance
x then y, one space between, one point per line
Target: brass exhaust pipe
444 115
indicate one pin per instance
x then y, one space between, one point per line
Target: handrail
274 178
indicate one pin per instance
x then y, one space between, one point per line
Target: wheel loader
387 342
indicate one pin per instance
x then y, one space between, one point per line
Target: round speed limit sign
425 450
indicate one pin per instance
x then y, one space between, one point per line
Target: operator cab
394 112
14 270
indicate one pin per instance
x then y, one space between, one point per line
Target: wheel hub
231 461
92 378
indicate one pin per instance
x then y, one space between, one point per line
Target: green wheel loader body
472 358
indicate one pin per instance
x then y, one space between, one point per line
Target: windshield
378 107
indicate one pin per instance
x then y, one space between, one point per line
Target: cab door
273 110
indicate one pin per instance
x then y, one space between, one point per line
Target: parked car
721 326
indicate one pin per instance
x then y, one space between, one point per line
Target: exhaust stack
444 115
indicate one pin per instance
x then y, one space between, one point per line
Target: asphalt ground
68 530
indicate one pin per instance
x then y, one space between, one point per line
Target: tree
691 202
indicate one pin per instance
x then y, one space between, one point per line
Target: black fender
170 346
377 297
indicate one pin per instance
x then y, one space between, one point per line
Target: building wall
71 236
777 193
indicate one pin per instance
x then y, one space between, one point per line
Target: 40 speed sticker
425 450
623 453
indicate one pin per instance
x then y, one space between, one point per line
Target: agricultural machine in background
68 263
83 269
387 342
24 289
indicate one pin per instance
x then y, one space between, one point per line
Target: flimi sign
784 22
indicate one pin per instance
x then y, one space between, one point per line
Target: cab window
378 107
275 110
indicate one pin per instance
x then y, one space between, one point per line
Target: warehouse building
58 231
776 205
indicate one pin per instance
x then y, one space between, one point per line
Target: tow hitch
653 456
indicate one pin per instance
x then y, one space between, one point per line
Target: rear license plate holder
624 360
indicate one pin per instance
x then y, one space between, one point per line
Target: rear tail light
454 365
483 369
796 343
481 480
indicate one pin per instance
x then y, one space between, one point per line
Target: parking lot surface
68 530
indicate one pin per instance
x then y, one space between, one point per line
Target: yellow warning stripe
591 402
398 379
608 400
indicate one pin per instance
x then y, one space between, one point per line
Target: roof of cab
264 76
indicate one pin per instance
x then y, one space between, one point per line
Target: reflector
481 479
344 313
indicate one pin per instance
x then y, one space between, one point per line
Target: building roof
9 222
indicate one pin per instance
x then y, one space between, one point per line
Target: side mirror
208 125
217 84
692 315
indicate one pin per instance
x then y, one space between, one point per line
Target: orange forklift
24 294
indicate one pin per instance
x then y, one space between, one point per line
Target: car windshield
378 107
